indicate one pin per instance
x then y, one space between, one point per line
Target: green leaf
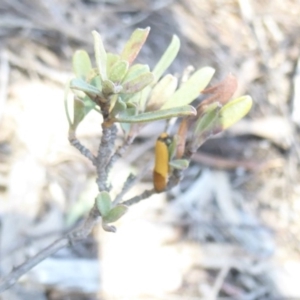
163 90
138 83
111 60
158 115
143 97
94 79
118 71
81 85
118 107
66 93
81 64
172 148
167 58
179 164
234 110
208 119
108 87
88 104
134 98
129 112
191 89
79 112
134 44
100 55
135 71
115 214
104 203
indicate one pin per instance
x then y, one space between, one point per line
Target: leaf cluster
131 94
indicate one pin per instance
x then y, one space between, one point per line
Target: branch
131 179
82 149
146 194
119 153
130 182
108 138
69 239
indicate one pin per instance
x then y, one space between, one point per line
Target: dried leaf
221 92
181 138
134 44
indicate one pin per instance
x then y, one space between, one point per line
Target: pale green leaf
108 87
115 214
118 107
66 93
118 71
159 115
132 98
100 55
234 110
129 112
167 58
79 112
134 44
172 148
179 164
104 203
207 121
138 83
81 64
81 85
144 96
163 90
88 104
111 60
191 89
135 71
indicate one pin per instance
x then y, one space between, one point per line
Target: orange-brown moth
161 166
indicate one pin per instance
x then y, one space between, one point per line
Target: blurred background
231 230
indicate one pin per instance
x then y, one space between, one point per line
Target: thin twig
130 182
146 194
82 149
119 153
131 179
69 239
13 277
